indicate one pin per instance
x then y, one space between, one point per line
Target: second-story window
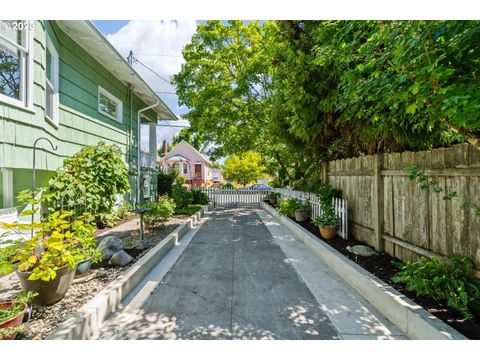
109 105
16 62
51 82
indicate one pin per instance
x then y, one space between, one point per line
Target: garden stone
361 250
108 247
120 258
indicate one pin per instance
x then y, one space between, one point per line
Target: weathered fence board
420 217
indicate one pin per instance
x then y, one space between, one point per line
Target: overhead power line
133 60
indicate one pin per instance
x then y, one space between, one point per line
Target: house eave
86 34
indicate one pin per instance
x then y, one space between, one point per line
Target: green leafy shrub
199 197
328 218
165 182
57 242
326 193
122 210
181 180
162 210
287 207
181 196
451 281
26 296
228 185
89 181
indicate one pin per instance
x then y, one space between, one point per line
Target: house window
52 82
16 62
109 105
185 169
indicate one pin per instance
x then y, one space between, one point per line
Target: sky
157 44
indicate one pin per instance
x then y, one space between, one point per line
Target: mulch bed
382 266
45 319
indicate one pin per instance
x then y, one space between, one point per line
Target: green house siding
80 123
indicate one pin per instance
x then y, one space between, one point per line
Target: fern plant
451 281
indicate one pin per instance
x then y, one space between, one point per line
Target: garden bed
46 318
382 266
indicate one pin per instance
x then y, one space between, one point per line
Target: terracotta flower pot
49 292
14 321
328 232
301 214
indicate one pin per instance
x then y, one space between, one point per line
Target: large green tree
225 82
244 168
302 92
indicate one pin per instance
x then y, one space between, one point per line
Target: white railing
147 160
237 197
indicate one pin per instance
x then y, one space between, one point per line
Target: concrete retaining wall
89 319
409 317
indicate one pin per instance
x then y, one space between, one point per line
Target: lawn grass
190 210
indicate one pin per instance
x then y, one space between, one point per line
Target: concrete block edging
87 321
409 317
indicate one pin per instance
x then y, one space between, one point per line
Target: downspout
139 139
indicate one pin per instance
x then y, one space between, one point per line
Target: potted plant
45 263
27 298
272 198
11 318
302 211
328 223
287 207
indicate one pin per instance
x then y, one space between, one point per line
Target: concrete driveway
234 281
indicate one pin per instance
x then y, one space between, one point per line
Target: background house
190 164
69 85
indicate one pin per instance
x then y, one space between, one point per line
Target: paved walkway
242 275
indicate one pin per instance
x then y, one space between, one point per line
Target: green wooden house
63 80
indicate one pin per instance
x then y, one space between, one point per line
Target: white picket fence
235 197
251 197
340 206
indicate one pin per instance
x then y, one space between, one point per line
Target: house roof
172 152
177 157
92 40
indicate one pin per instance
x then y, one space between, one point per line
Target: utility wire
132 59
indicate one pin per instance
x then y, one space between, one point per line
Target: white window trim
26 96
56 81
117 101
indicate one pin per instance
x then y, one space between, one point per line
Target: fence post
377 202
325 172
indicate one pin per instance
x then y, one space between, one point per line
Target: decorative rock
361 250
120 258
108 247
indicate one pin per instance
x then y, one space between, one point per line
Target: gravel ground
45 319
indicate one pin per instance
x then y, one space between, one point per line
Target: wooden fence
253 197
389 211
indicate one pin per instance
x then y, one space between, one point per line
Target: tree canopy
302 92
244 168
